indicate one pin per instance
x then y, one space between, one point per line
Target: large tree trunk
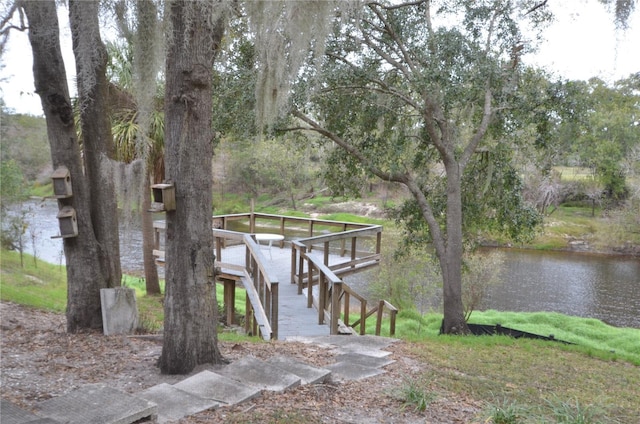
82 254
91 62
190 334
451 262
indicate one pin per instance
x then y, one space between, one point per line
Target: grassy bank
589 336
43 285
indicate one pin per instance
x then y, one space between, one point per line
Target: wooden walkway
324 251
294 318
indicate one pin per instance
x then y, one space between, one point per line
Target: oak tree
422 94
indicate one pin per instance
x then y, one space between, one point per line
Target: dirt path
40 361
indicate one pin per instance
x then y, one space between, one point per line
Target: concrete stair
357 357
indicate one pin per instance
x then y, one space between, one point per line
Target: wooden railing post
302 253
322 297
248 315
363 317
336 290
392 323
274 310
310 284
353 251
219 241
294 261
347 300
379 318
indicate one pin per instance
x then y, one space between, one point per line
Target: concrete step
308 374
174 403
12 414
214 386
356 358
345 371
252 371
366 360
95 403
357 366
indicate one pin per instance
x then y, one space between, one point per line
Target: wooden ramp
294 318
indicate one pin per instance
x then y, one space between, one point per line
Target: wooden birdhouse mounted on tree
68 222
164 197
61 183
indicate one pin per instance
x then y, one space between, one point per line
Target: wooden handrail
364 314
259 282
305 269
332 292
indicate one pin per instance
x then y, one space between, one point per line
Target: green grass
320 201
44 286
41 190
348 217
38 284
530 373
573 173
590 336
526 380
570 223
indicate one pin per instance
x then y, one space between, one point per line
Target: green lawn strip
39 284
592 335
45 287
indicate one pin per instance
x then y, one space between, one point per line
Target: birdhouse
68 222
164 197
61 183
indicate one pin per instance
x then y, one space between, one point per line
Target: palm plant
133 143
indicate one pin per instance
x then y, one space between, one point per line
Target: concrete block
119 310
307 373
366 360
12 414
346 371
174 403
97 404
210 385
259 374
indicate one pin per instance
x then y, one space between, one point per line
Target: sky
580 44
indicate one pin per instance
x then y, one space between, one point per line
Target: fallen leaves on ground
40 361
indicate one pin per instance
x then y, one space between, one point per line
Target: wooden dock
292 270
295 319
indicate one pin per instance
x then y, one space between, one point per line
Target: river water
580 284
586 285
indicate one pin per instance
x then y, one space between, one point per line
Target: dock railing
315 245
322 279
260 283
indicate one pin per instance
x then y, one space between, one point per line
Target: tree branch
427 214
351 150
394 36
398 6
480 133
536 7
